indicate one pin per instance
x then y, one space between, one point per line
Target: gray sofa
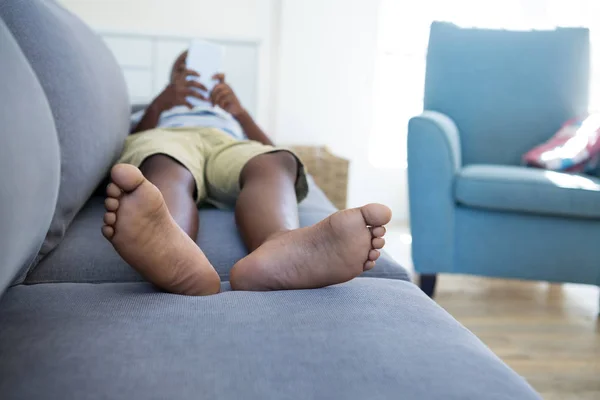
77 323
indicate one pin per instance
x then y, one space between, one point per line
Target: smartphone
205 58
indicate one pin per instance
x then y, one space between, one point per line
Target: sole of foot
141 229
333 251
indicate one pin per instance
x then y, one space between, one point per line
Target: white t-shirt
199 116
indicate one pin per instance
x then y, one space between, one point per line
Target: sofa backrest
86 92
29 161
507 91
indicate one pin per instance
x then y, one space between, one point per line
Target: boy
180 156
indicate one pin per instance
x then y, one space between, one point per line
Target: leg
267 204
177 187
141 229
427 284
335 250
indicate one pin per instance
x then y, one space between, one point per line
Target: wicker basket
329 171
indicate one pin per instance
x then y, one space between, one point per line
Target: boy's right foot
140 228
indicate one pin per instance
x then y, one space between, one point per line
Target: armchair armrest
432 126
434 158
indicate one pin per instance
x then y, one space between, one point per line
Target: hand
180 88
223 96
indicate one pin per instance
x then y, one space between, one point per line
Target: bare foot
140 228
335 250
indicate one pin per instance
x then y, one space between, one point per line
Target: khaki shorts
214 158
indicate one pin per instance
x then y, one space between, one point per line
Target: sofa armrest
434 158
137 107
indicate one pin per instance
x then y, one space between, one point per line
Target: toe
378 243
378 231
127 177
374 255
108 231
376 214
111 204
369 265
110 218
113 190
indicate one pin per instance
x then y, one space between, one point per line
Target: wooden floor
550 334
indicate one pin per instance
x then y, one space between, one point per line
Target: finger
181 58
216 92
222 97
179 63
223 100
195 93
219 77
195 84
189 105
191 72
219 87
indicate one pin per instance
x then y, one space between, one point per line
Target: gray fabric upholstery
87 95
85 256
29 161
367 339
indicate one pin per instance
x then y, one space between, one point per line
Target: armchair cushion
527 190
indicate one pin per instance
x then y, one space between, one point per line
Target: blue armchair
490 96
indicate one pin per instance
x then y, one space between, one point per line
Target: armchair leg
427 283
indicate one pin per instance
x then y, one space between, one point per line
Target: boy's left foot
335 250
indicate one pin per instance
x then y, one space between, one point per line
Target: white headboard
146 61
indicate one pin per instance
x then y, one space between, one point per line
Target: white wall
316 69
223 18
325 91
252 20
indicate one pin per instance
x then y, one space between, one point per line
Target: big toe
376 214
127 177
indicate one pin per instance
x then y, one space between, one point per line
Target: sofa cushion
87 95
85 256
29 162
366 339
528 190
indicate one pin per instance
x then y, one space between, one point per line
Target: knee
168 174
279 162
285 160
156 163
